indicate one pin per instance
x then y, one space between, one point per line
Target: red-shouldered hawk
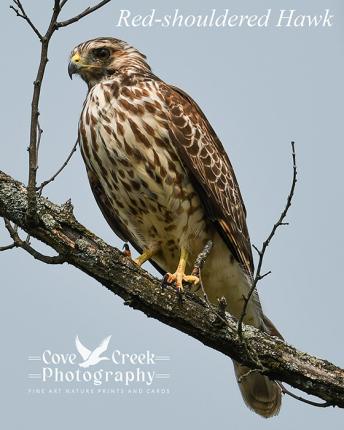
164 182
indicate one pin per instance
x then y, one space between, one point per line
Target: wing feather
209 167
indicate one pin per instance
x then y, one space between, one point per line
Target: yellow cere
75 58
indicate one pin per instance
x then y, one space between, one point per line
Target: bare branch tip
261 253
285 391
20 12
81 15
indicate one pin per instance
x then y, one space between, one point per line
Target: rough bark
59 229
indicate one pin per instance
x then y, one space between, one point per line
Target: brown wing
114 222
210 170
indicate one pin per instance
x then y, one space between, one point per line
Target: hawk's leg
179 275
145 256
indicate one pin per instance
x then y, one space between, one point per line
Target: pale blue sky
260 88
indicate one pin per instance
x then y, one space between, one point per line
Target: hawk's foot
178 278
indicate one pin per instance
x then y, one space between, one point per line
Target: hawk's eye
101 53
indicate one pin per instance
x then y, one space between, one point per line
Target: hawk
164 182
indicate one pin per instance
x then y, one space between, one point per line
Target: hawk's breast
124 138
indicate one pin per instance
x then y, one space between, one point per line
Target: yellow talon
179 275
191 279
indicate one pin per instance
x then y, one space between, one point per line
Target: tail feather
260 394
220 278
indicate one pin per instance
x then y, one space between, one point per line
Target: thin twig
22 14
35 129
197 269
86 12
7 247
63 2
25 244
261 252
202 256
302 399
45 183
39 136
249 372
220 312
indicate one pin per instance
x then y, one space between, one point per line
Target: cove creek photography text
97 367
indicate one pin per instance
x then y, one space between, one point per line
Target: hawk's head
100 58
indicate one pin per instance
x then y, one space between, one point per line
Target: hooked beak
74 65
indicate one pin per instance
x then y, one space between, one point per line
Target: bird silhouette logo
91 358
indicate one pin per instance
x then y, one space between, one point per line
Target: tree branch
302 399
25 244
86 12
7 247
35 129
22 14
261 252
52 178
63 2
59 229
